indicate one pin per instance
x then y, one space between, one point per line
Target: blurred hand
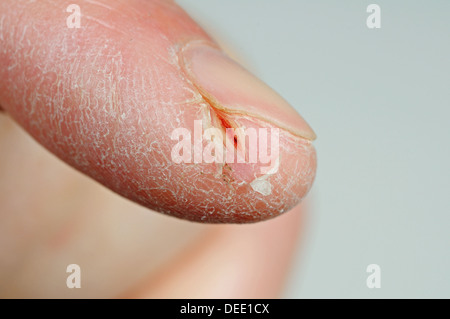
105 98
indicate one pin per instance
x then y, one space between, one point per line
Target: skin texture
105 99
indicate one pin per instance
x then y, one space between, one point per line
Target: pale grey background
379 101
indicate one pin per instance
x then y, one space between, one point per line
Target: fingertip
110 107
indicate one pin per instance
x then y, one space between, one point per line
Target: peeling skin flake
262 186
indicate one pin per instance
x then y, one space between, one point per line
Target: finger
110 97
249 261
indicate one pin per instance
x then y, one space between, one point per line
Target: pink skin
251 263
105 99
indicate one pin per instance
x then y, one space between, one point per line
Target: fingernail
229 87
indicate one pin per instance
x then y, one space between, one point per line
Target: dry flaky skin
108 107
